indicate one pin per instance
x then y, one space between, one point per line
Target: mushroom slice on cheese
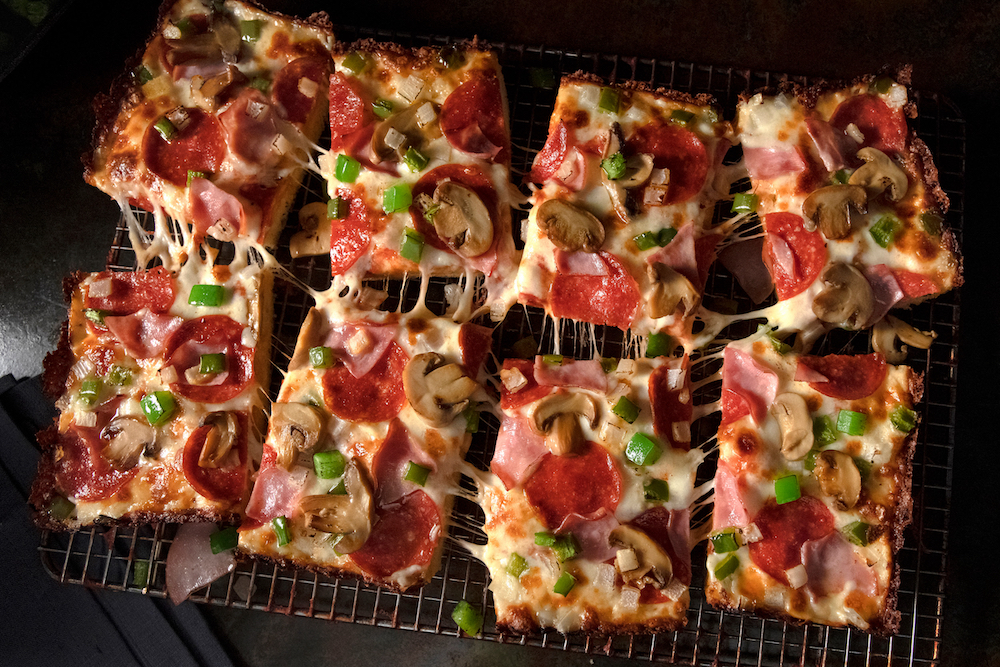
829 208
669 291
796 425
219 440
437 391
838 477
126 439
348 515
640 560
569 227
295 427
557 417
846 300
314 237
461 219
879 174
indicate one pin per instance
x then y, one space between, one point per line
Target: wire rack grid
133 558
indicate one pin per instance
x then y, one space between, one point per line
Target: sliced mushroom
400 131
557 417
829 208
205 92
796 425
846 300
314 237
890 336
638 169
878 174
616 190
461 219
127 438
227 35
348 515
437 390
219 440
670 291
652 564
295 427
838 477
570 227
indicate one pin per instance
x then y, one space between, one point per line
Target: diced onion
394 138
566 169
660 176
156 87
675 589
129 408
621 389
452 294
410 89
86 419
655 194
751 533
626 560
62 405
629 600
626 367
681 431
82 368
797 576
896 97
611 432
774 597
497 310
605 579
359 342
281 144
249 338
634 114
168 375
308 87
255 109
855 133
179 117
223 230
675 378
170 31
513 379
425 114
684 396
589 97
100 288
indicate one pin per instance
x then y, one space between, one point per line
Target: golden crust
697 99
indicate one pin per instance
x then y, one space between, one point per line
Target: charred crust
56 365
807 95
401 56
291 563
519 620
699 99
922 158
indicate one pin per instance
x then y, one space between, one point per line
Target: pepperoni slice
583 484
676 149
348 111
552 155
374 397
794 257
294 105
224 483
915 285
883 128
133 290
532 391
610 299
666 403
81 471
848 377
470 176
350 237
785 528
200 146
402 537
667 527
210 334
475 342
472 117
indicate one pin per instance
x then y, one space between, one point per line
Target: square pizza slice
588 510
851 206
215 123
812 489
365 445
620 231
160 376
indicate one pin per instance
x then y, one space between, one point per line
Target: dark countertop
52 223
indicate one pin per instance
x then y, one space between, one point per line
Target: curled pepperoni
794 257
784 529
210 334
470 176
405 534
200 146
350 237
475 342
293 104
610 299
883 128
667 404
583 484
677 149
472 118
81 471
552 155
915 285
223 483
848 377
671 529
348 111
132 291
531 391
374 397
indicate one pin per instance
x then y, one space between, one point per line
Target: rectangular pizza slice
588 510
160 376
217 119
419 166
849 197
812 489
365 444
619 233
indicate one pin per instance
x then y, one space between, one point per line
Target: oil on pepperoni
785 528
676 149
474 341
223 483
199 146
348 111
848 377
551 157
808 253
610 299
470 176
82 471
883 128
584 484
404 535
210 334
132 291
667 404
350 237
531 391
472 117
293 103
374 397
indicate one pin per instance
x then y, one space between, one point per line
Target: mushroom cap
880 174
126 439
891 335
557 417
654 565
838 477
829 208
795 422
462 219
847 300
295 427
670 290
314 237
569 227
220 438
437 391
349 515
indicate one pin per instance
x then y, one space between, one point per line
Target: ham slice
143 333
275 493
832 563
744 378
390 463
583 373
518 450
729 509
680 254
885 290
209 204
370 342
592 535
828 142
191 563
580 263
250 127
773 161
784 257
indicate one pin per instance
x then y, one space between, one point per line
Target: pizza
849 201
214 124
419 167
812 487
588 511
619 232
159 375
365 445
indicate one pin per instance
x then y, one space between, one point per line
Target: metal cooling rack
117 558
